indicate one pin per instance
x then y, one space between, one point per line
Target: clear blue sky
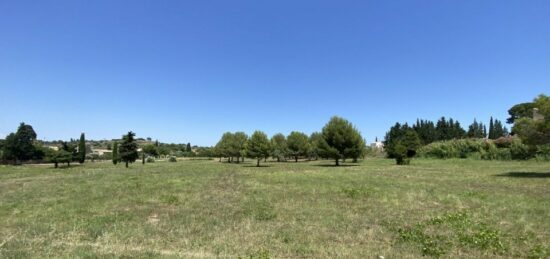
187 71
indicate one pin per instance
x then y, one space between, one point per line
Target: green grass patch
204 208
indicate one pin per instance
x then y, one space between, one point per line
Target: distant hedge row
508 148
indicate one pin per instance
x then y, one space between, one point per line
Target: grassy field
446 208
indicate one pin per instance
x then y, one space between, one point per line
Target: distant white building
377 145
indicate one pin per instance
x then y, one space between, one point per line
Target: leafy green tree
150 150
258 146
19 146
188 148
67 148
341 140
58 156
128 148
237 145
315 141
223 147
82 149
298 144
279 147
116 157
535 130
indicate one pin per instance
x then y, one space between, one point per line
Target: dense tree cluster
401 140
534 128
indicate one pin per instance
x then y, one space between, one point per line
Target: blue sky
187 71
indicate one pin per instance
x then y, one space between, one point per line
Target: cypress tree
188 149
115 153
491 129
82 149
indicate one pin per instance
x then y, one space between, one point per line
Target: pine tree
258 146
188 148
298 144
82 149
341 140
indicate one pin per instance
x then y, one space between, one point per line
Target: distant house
100 152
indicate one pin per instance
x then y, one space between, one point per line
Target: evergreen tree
258 146
82 149
401 143
58 156
128 149
476 130
315 140
238 145
188 148
70 149
298 144
426 131
341 140
279 147
115 153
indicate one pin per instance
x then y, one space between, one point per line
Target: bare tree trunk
337 164
258 162
126 164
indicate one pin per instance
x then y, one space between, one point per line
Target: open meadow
204 208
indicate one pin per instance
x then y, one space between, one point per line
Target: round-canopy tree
298 144
279 147
258 146
341 140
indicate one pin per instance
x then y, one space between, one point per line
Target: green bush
520 151
543 152
501 149
460 148
150 159
172 159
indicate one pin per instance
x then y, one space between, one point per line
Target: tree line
402 141
338 140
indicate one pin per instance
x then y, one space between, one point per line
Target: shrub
543 152
520 151
460 148
490 151
150 159
504 142
172 159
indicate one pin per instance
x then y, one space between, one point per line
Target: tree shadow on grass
333 165
525 175
256 166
